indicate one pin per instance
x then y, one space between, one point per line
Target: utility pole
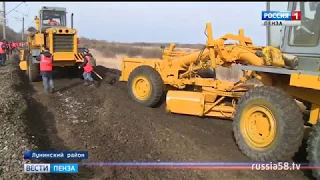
4 25
22 33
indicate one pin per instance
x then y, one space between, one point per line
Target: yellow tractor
51 32
268 121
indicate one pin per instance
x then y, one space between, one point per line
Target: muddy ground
14 129
112 127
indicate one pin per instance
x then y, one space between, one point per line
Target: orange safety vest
45 63
88 68
2 51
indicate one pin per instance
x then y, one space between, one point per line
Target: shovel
107 80
97 75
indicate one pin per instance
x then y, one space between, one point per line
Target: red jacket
45 62
2 51
87 67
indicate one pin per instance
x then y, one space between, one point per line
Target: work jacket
45 62
87 67
2 51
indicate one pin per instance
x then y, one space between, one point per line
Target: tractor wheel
33 70
268 125
145 86
313 149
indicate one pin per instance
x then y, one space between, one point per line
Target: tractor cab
53 17
303 40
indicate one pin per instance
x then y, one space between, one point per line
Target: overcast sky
152 22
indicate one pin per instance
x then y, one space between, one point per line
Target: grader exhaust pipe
71 21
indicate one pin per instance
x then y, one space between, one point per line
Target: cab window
54 18
308 33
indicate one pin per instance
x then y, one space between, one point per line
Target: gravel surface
14 135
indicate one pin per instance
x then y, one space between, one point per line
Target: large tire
145 76
33 70
280 128
313 149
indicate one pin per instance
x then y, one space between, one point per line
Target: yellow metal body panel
305 81
63 56
79 57
314 114
129 64
21 54
198 104
185 102
38 39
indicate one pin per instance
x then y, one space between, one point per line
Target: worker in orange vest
46 59
3 57
87 68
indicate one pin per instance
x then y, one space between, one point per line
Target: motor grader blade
196 103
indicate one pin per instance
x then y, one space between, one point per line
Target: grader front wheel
268 125
145 86
313 149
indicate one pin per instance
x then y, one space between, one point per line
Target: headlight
54 30
73 31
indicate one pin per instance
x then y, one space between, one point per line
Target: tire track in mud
112 127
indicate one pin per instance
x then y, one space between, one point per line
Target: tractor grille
63 43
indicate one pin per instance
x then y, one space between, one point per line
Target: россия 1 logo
280 18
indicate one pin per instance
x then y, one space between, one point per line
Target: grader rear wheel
145 86
268 125
313 149
33 70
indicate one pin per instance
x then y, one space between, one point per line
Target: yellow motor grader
268 123
51 32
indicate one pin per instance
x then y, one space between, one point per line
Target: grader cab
268 123
51 32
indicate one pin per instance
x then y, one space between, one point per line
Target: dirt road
112 127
